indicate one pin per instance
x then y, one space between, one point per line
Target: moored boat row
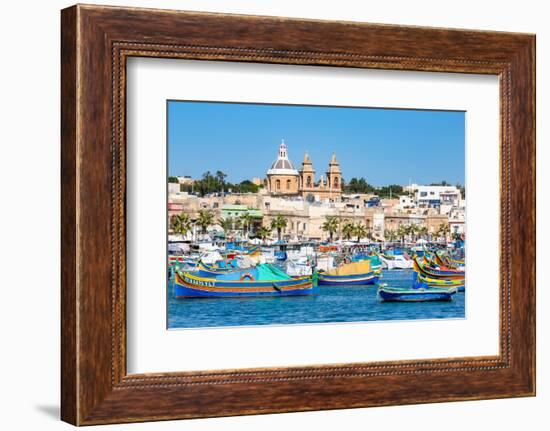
245 273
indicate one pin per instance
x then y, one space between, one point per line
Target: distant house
437 196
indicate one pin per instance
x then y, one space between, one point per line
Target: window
278 185
288 184
423 194
308 182
336 182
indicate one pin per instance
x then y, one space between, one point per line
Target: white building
406 202
443 197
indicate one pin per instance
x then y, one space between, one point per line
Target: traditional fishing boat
263 280
223 267
182 260
375 262
459 283
419 292
444 261
355 273
434 272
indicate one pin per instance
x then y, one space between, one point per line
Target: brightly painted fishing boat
355 273
264 280
458 283
444 261
432 272
220 268
375 262
181 260
418 293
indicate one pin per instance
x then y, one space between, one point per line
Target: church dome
283 165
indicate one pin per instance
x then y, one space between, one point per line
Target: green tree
246 222
423 231
226 224
360 231
402 233
441 183
173 180
390 235
412 230
181 224
247 186
442 231
263 232
206 217
348 230
220 178
331 226
279 223
391 191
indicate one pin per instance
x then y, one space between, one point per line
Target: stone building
284 180
282 177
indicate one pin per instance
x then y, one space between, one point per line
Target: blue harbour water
331 305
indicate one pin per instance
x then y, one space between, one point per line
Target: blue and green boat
418 292
263 280
412 294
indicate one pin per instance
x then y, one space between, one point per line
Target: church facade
283 179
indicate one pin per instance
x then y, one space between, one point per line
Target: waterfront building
406 202
236 211
457 222
437 196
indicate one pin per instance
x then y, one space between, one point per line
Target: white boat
397 261
298 268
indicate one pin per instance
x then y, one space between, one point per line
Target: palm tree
401 233
226 224
220 176
263 232
443 231
331 226
279 223
205 219
348 230
246 220
360 231
423 231
390 235
181 224
412 230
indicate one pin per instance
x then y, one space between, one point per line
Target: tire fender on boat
247 275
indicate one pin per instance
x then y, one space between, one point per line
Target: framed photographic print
268 215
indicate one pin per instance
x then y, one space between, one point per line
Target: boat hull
459 284
186 286
355 279
435 273
422 295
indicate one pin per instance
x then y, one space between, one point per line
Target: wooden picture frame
95 43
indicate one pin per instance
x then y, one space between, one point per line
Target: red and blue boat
355 273
263 280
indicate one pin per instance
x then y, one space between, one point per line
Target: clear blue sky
385 146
